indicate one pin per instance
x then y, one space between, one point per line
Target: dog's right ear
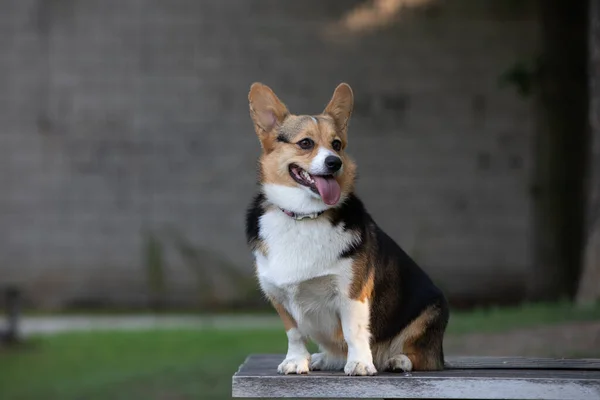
266 110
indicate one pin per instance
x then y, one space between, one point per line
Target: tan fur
405 343
336 344
340 106
288 320
422 361
361 289
268 112
279 132
274 164
262 247
363 282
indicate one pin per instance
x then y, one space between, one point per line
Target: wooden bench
465 378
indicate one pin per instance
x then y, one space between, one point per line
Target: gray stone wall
121 119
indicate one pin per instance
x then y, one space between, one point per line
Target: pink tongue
328 188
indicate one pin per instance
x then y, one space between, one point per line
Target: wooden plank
267 363
257 377
522 363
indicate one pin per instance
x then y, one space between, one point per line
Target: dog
330 272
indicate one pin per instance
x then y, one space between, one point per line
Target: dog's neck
296 202
300 217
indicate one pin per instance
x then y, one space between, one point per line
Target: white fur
390 355
298 199
317 165
297 358
400 362
302 271
302 250
326 362
355 324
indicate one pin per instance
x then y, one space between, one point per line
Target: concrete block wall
120 118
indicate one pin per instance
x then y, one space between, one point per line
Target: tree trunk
559 151
589 287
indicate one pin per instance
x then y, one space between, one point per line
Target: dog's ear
266 110
340 106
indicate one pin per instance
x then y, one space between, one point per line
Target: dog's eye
306 144
337 145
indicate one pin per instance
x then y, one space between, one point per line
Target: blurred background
128 158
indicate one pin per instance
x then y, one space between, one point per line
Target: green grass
186 364
527 315
145 364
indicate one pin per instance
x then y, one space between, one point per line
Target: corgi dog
330 272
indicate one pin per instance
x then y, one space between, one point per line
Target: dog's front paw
295 365
360 368
325 362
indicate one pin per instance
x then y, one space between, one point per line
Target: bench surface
465 378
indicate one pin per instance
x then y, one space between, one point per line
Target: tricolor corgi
330 272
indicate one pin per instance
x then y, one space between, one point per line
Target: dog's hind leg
419 347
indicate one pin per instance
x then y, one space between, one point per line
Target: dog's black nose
333 163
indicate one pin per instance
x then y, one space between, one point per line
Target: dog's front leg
355 325
297 358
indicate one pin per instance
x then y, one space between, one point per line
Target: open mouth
324 185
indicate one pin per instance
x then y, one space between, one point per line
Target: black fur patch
282 138
253 214
352 214
402 289
432 341
353 249
354 217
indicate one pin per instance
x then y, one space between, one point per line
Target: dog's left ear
340 106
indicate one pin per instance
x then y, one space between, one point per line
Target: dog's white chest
298 251
302 269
